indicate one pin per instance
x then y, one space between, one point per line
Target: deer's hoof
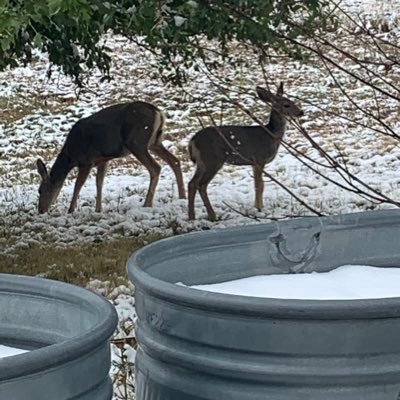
212 217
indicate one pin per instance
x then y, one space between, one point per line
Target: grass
77 264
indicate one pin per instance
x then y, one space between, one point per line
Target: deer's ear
280 90
42 169
265 95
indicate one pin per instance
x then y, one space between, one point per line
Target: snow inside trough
6 351
348 282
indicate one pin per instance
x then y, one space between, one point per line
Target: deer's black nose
301 114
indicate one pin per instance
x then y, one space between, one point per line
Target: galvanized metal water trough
197 345
68 330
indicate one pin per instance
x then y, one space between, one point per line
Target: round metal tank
68 330
198 345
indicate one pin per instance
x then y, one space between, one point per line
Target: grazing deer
113 132
212 147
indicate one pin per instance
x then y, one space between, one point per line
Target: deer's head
280 103
48 191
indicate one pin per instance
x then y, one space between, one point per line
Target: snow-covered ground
348 282
52 110
37 113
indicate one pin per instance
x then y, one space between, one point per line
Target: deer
213 146
113 132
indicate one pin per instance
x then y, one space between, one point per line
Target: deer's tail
159 121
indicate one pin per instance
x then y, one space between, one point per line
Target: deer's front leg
174 163
259 186
80 180
101 171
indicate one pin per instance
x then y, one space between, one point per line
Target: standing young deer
113 132
212 147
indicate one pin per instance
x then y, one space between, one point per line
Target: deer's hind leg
154 169
203 176
174 163
192 189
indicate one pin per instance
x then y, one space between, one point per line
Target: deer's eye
286 105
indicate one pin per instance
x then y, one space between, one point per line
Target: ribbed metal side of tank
68 330
198 345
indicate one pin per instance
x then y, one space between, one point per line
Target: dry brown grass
105 261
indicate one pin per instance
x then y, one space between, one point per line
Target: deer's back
239 145
128 112
107 133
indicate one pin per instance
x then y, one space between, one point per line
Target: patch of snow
179 21
347 282
7 351
193 3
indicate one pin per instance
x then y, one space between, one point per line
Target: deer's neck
60 169
277 124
